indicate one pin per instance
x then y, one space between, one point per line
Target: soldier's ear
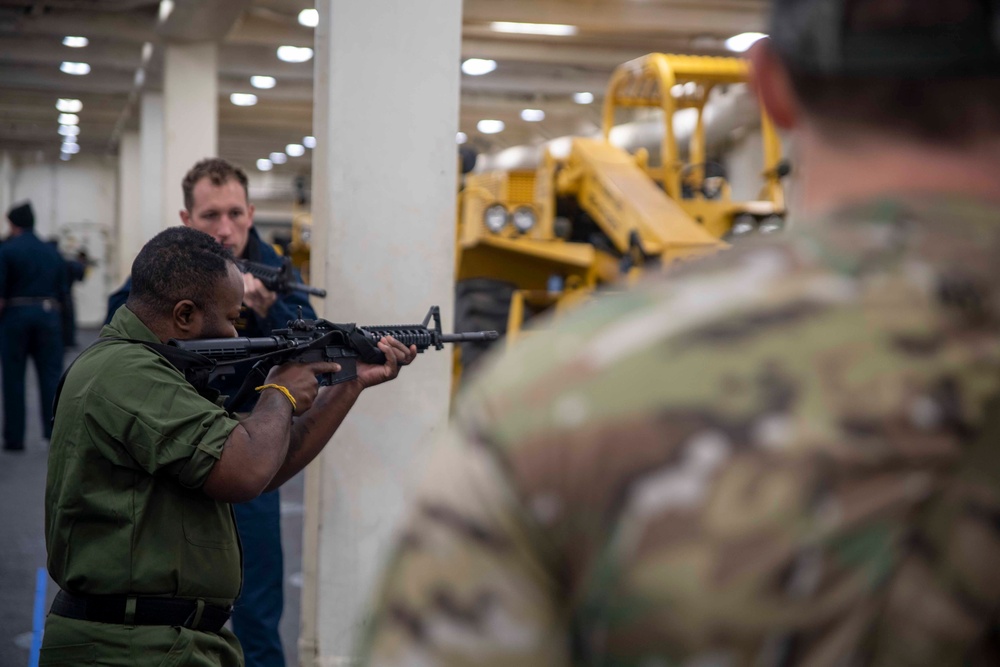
187 316
769 79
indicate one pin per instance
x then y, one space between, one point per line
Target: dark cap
883 38
22 216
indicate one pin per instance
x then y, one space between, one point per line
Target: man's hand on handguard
257 297
300 381
396 356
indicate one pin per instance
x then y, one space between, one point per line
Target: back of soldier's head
925 69
178 263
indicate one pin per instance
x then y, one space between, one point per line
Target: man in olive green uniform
788 454
143 467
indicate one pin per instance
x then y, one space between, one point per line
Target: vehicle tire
481 304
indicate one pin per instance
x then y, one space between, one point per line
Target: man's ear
770 81
187 316
185 217
250 210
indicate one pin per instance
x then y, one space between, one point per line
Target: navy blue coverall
257 612
33 284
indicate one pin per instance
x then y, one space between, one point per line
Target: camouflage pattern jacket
787 454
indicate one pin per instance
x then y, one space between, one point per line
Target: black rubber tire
481 304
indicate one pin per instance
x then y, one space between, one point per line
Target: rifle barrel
309 289
423 338
470 337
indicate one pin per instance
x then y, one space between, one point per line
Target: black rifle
280 280
308 341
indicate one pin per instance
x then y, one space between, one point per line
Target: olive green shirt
132 445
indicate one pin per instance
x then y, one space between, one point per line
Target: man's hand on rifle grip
300 380
396 354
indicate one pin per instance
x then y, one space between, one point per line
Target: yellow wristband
283 390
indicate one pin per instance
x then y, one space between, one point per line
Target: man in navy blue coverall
33 284
216 202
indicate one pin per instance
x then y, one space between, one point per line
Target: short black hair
938 105
178 263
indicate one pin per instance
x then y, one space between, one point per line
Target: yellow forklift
532 240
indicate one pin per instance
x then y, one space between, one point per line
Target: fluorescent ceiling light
744 41
532 115
309 142
71 149
490 126
461 138
478 66
552 29
64 156
147 51
278 158
295 150
69 105
243 99
309 18
140 77
69 140
263 82
294 54
69 119
264 164
78 69
583 98
75 42
166 9
69 130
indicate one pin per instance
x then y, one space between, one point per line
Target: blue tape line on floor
38 624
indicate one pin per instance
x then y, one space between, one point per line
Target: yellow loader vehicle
532 240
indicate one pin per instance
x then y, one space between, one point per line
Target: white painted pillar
191 117
387 99
128 233
6 184
152 217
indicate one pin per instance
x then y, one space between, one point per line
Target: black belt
46 302
148 611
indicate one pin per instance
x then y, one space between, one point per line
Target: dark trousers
257 612
28 331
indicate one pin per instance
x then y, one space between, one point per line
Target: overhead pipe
725 113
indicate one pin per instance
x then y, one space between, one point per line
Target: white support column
191 117
128 232
151 214
387 98
6 182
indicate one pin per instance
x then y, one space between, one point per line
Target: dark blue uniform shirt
29 267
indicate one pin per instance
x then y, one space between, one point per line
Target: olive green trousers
72 642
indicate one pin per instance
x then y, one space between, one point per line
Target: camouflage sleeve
772 463
466 584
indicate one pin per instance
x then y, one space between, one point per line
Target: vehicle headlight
743 225
524 218
495 217
772 224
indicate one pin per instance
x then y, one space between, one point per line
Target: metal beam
200 20
547 53
45 49
695 18
136 26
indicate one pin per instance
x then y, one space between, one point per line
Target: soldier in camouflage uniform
787 454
